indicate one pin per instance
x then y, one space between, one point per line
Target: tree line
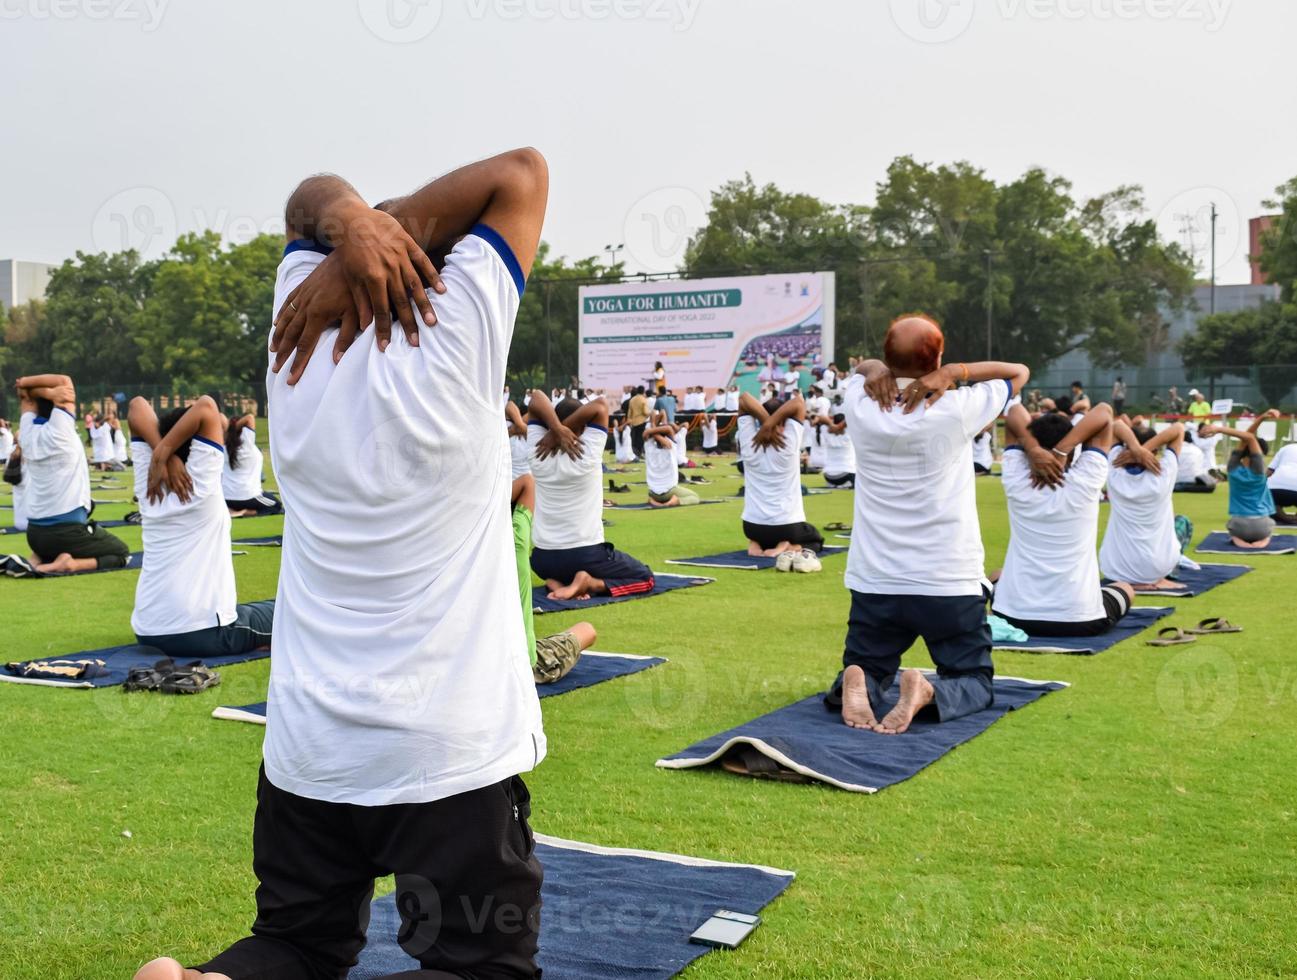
1051 273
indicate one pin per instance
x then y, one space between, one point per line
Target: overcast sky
126 121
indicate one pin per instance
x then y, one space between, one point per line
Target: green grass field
1139 824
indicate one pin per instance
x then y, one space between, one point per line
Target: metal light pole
990 258
613 251
1214 215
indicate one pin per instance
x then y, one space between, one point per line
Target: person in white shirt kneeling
1140 545
1050 583
185 600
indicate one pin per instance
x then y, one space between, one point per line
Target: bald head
914 346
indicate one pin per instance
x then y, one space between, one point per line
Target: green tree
1279 244
1264 337
207 316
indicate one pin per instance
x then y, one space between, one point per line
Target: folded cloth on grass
542 603
809 739
1219 543
741 559
1136 621
593 668
1190 582
115 663
608 912
643 506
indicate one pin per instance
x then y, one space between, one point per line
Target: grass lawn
1140 823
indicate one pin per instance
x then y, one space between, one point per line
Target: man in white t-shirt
101 443
774 520
1140 545
732 399
402 705
792 380
121 451
1192 475
839 455
185 600
515 425
60 533
916 565
570 554
1050 584
6 439
711 435
984 451
662 466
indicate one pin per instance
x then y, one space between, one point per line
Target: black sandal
190 679
148 678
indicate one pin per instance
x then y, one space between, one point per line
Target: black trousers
637 438
467 885
48 541
882 627
264 504
1284 498
251 630
770 535
622 574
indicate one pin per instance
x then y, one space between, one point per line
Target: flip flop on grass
837 526
1171 636
1215 625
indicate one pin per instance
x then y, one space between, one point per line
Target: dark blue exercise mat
741 559
644 506
593 668
1135 622
542 603
1219 543
606 912
10 568
117 663
1191 582
809 739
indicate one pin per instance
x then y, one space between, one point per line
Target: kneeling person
661 468
774 519
1050 584
60 533
185 601
570 553
1140 545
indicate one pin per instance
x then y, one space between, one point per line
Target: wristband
964 368
1058 452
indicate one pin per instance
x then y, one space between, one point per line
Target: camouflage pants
555 656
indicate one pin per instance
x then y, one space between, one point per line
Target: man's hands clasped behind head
375 269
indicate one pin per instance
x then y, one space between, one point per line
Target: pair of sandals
1174 636
837 526
614 487
165 676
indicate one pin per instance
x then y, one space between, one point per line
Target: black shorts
1115 607
316 863
772 535
840 479
622 574
1284 498
48 541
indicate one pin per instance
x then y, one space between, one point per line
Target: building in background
1255 229
21 282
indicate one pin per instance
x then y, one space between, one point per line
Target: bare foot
1239 542
755 550
780 548
581 588
856 709
1166 583
63 563
916 693
166 968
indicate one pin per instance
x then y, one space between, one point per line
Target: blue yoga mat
741 559
119 661
593 668
1193 582
274 541
1136 621
812 740
608 913
643 506
542 603
1219 543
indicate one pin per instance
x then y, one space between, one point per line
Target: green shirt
522 519
1200 410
